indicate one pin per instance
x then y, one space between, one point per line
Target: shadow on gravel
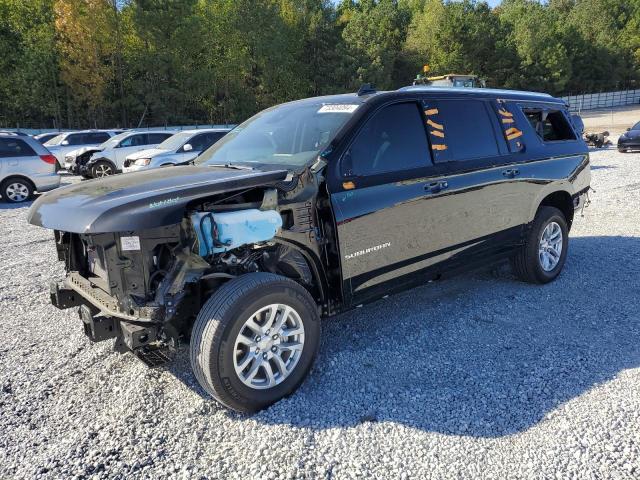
480 355
14 206
603 167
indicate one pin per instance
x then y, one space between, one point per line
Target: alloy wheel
269 346
550 247
17 192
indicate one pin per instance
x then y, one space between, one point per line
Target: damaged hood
139 200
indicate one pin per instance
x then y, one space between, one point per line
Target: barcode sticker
338 108
129 243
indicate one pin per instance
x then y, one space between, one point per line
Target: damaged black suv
306 210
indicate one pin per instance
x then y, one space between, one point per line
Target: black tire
622 150
219 323
526 263
8 190
102 169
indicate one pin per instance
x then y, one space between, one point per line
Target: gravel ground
474 377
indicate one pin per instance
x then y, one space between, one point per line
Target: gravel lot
474 377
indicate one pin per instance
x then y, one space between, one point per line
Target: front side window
288 136
549 125
10 147
394 139
460 130
134 141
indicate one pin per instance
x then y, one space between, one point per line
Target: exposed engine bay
146 287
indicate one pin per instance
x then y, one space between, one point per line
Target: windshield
55 140
174 142
289 135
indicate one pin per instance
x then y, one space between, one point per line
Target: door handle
511 172
435 187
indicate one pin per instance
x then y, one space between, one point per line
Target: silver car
25 167
180 148
65 142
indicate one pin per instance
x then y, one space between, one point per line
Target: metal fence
592 101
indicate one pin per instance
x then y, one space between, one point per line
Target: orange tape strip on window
435 125
436 133
508 120
505 113
431 111
513 133
438 147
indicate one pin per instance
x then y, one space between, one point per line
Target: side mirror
628 129
64 142
187 147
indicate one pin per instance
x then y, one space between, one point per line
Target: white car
65 142
112 154
181 148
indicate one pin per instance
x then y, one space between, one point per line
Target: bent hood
148 153
139 200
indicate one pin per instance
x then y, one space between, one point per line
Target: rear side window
460 130
76 139
550 125
394 139
97 137
10 147
158 137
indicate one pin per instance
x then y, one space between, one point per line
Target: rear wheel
102 169
16 190
545 251
255 340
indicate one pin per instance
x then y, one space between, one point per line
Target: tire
102 169
16 190
528 264
216 350
622 150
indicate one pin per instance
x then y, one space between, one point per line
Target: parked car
308 209
65 142
630 140
179 149
14 132
45 137
109 159
25 167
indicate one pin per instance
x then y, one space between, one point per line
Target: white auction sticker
130 243
338 108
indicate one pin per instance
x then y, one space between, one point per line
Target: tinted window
204 140
134 140
550 125
97 137
12 147
393 139
154 138
76 139
460 130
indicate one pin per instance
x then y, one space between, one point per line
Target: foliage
98 63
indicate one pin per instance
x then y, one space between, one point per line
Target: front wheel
542 257
255 340
102 169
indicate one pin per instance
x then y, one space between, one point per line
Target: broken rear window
550 125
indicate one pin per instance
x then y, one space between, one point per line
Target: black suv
308 209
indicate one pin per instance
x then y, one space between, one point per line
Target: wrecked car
306 210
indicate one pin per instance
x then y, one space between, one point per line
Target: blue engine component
220 232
